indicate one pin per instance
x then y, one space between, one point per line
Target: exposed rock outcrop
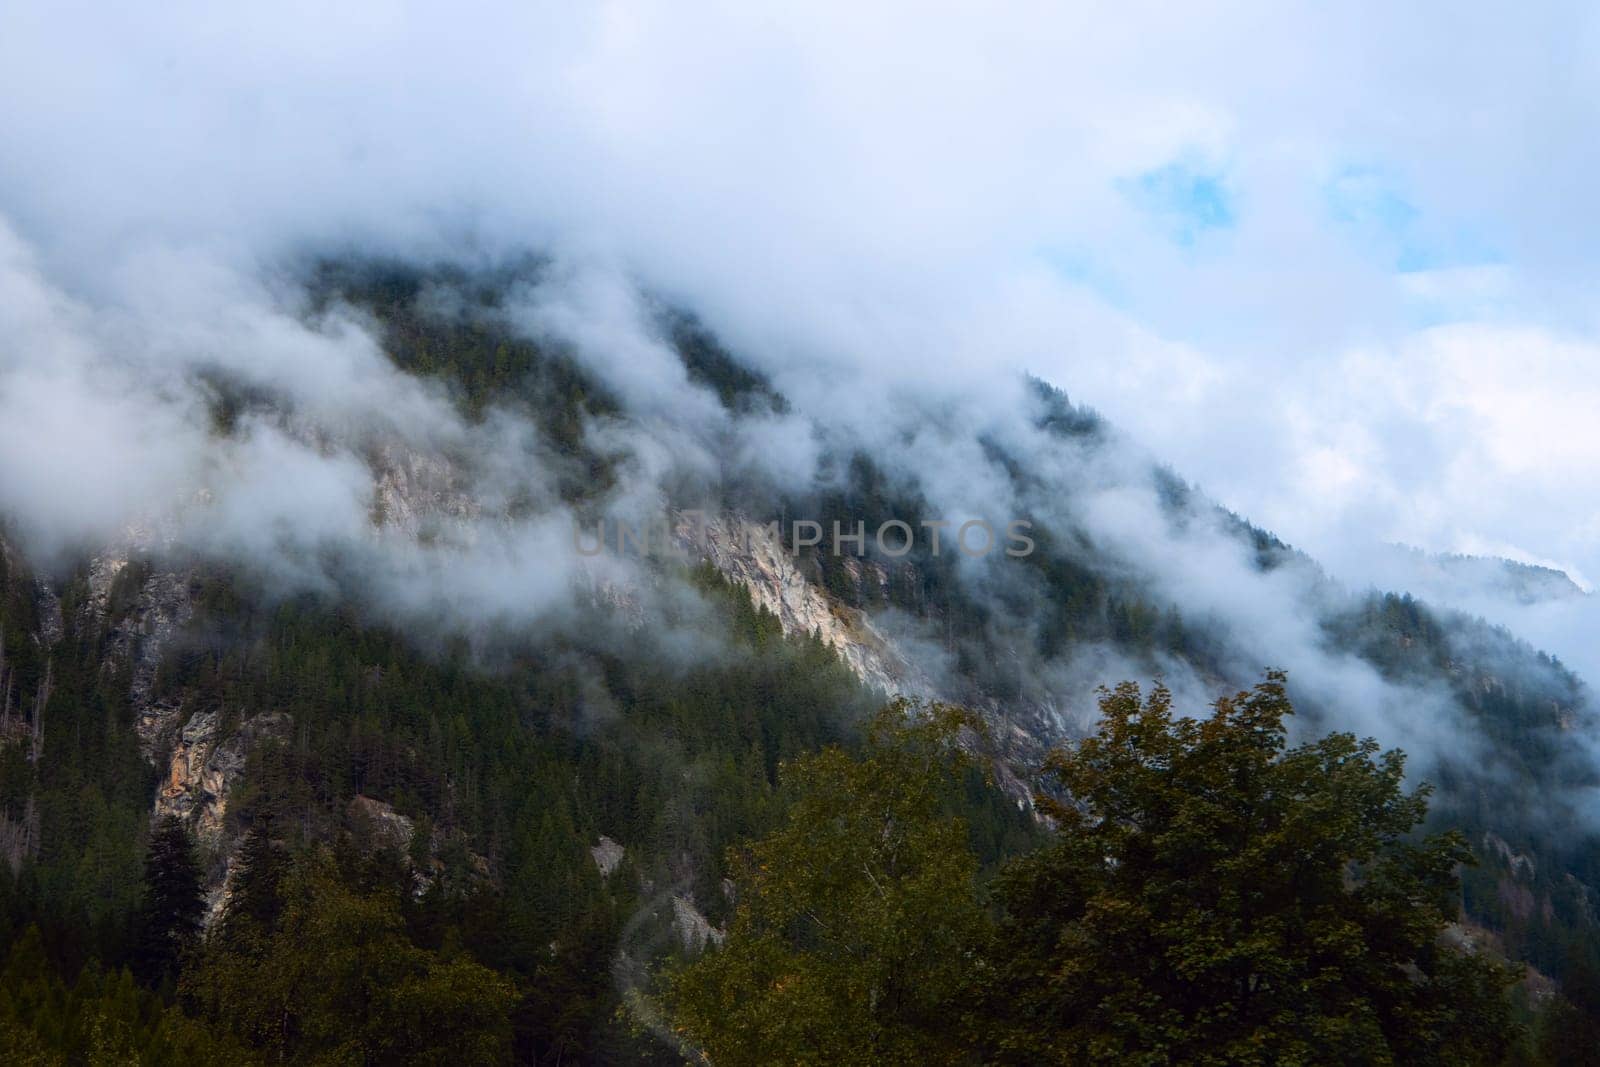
376 826
51 624
1521 865
413 490
693 928
141 628
383 826
607 856
204 768
748 554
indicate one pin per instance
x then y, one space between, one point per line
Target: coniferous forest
560 846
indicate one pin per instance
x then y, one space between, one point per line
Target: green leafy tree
1216 897
857 929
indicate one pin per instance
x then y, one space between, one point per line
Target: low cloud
889 213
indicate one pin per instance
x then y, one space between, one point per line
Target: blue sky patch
1374 208
1185 200
1075 264
1371 202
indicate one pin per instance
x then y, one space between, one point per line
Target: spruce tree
173 902
256 901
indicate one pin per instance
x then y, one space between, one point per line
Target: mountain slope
476 713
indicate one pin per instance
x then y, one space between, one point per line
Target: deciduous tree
1214 896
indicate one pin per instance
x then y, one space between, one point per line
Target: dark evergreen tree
256 900
172 905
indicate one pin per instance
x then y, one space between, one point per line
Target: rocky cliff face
607 855
141 609
144 612
694 930
139 599
141 593
205 766
413 491
748 554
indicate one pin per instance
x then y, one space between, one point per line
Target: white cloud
857 197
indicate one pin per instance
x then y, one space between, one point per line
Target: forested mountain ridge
463 785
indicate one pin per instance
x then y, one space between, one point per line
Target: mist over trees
877 891
327 334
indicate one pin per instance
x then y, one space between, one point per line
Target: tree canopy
858 927
1215 896
174 899
1210 895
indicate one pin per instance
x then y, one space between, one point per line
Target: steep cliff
747 553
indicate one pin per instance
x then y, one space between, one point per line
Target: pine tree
174 901
256 901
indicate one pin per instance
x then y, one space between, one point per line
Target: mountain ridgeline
499 837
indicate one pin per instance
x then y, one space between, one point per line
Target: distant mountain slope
1031 640
459 679
1507 732
1454 578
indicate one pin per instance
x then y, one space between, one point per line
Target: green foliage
513 756
77 816
1216 897
257 899
99 1018
739 388
1527 705
169 915
1211 896
512 762
857 932
337 979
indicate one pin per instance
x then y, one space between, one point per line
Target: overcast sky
1336 263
